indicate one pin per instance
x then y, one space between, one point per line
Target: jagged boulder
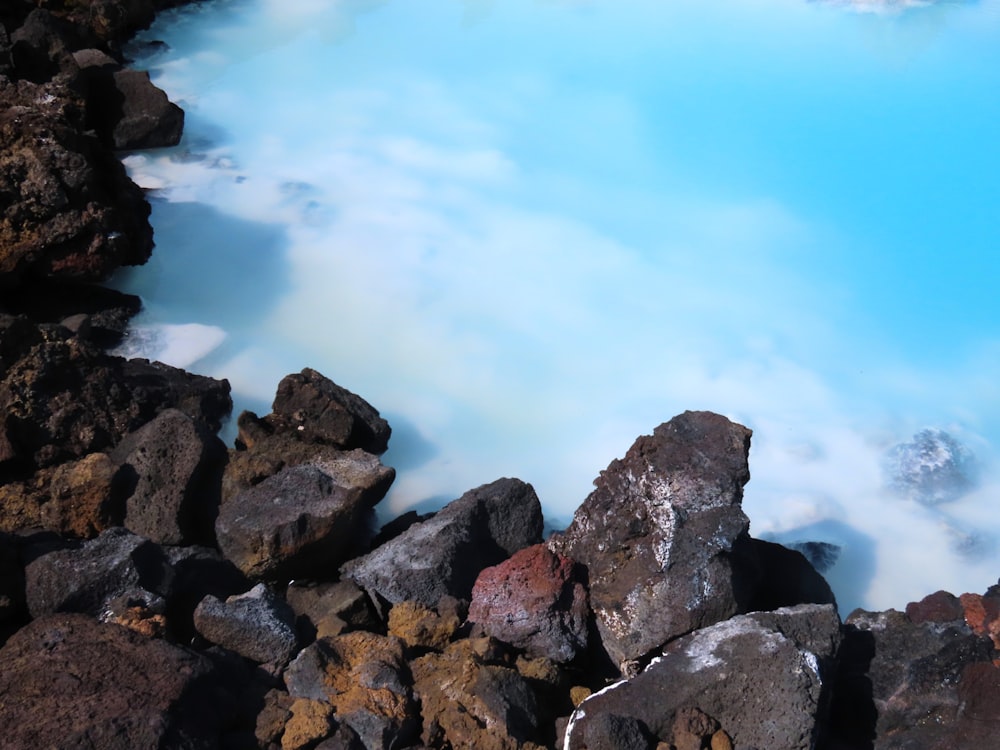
933 467
169 479
444 555
536 601
663 535
115 565
326 609
762 679
69 681
305 520
257 625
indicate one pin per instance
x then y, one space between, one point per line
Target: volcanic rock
466 702
762 677
536 601
87 579
934 467
420 627
257 625
914 677
67 208
326 609
304 521
170 478
365 678
663 535
444 555
68 681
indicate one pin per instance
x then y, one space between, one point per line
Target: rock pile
158 590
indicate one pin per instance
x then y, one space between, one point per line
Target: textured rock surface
933 467
257 625
908 682
302 522
116 564
170 478
536 601
661 534
420 627
443 556
326 609
58 689
759 676
365 678
468 703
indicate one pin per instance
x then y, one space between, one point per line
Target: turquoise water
528 232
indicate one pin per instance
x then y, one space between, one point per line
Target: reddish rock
940 606
536 601
982 614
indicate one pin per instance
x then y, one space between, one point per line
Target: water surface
528 232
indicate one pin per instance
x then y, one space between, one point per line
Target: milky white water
528 232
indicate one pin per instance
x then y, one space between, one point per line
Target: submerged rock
663 535
933 468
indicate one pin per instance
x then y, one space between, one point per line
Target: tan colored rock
721 741
579 693
273 717
419 626
311 721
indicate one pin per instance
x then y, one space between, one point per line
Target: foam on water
535 230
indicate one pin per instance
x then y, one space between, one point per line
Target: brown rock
940 606
272 717
310 722
419 626
331 608
536 601
68 681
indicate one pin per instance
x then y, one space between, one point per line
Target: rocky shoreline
158 589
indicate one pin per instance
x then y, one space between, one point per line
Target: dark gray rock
70 682
663 535
305 520
444 555
257 625
330 608
113 565
170 478
756 675
934 467
148 118
906 685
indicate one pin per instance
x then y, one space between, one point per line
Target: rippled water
528 232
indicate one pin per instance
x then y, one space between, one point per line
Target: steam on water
530 231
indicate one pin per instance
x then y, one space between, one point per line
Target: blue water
528 232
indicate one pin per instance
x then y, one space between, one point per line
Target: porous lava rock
420 627
536 601
68 208
468 702
905 683
62 398
444 555
71 682
330 608
169 479
366 679
87 579
305 520
761 676
257 625
663 535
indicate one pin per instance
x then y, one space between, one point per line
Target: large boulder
762 678
444 555
535 601
117 565
169 477
933 467
305 520
663 535
68 681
